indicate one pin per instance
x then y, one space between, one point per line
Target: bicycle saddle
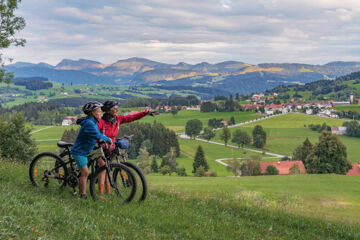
63 144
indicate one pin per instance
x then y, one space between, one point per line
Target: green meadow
269 207
178 122
286 132
355 108
265 207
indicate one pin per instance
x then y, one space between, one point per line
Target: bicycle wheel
48 170
142 189
124 184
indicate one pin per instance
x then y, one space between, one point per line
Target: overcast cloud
252 31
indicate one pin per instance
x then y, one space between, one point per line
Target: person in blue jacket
86 140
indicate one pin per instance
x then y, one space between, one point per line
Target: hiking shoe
83 196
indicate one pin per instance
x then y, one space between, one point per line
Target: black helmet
108 105
91 106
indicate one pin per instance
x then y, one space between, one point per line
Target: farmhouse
338 130
283 166
69 120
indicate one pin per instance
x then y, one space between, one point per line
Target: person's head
110 107
93 109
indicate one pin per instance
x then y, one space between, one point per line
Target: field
286 132
266 207
178 122
276 207
355 108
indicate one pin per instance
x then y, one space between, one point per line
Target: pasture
286 132
271 207
178 122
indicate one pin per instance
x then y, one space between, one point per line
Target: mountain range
229 76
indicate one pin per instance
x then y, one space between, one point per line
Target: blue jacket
88 134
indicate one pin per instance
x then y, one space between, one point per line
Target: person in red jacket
109 126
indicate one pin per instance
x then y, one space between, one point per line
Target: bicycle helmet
91 106
108 105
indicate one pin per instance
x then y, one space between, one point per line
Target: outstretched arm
133 117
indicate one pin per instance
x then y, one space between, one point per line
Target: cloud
190 31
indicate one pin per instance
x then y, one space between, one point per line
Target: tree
200 172
170 160
225 135
352 128
251 166
15 140
207 107
259 136
208 133
241 138
154 167
234 165
328 156
271 170
295 169
200 160
165 170
143 161
181 171
193 127
231 121
9 26
174 111
302 151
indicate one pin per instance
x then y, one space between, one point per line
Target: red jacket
111 128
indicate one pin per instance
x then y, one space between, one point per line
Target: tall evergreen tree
200 160
328 156
154 165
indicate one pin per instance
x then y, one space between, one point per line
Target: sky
191 31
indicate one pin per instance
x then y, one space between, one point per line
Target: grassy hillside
278 207
178 122
285 133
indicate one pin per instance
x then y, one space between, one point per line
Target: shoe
83 196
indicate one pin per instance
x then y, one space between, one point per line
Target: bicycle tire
137 171
45 167
129 182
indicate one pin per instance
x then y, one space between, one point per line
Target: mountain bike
52 171
119 154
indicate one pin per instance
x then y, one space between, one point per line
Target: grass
278 207
212 152
178 122
286 132
355 108
46 139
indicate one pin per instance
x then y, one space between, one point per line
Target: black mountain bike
119 154
51 171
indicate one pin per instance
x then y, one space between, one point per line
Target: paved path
220 160
41 129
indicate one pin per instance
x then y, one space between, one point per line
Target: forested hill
338 89
229 76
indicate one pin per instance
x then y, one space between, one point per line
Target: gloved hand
152 112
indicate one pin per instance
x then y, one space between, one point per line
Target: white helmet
91 106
